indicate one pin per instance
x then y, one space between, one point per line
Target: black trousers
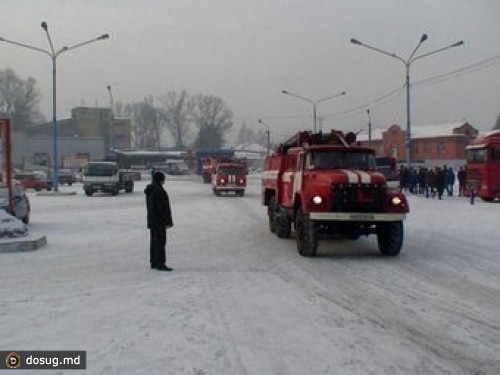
158 242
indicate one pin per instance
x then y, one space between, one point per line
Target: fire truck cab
483 166
229 176
322 184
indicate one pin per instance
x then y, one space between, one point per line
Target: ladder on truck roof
304 138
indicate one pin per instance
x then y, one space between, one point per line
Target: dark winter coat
158 207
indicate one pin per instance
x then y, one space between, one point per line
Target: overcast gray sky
246 52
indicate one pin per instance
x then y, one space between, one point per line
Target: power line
393 94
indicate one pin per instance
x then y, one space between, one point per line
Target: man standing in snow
159 219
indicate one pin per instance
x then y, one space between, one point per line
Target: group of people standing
432 182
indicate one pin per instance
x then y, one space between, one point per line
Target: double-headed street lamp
410 60
53 54
313 102
268 131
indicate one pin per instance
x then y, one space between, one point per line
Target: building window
393 151
441 148
415 148
427 147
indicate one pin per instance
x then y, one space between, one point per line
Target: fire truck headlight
222 181
317 200
396 201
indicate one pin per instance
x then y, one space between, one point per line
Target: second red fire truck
325 184
228 176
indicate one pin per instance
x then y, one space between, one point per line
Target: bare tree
19 99
146 123
176 109
246 135
213 119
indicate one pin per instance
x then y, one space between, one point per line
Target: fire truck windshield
231 170
476 155
340 160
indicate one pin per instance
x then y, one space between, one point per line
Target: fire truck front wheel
283 226
390 238
307 234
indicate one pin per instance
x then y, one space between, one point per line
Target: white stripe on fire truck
270 174
352 177
365 177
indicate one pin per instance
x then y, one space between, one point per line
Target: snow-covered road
242 301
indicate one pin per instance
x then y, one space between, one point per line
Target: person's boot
164 268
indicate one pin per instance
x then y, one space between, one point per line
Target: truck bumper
229 188
355 216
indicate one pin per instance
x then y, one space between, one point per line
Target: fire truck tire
307 235
89 192
487 199
283 226
271 207
390 238
241 193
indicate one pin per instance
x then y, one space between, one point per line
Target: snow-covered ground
242 301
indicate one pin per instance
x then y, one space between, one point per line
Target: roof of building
422 131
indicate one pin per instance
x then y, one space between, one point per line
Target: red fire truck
324 184
229 176
483 166
206 170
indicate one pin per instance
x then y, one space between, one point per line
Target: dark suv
66 176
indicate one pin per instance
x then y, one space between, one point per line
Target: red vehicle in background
483 166
229 176
206 170
34 180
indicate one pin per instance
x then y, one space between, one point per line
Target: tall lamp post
410 60
313 102
111 135
369 128
53 54
268 131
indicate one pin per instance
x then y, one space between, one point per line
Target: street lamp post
410 60
369 128
313 102
268 131
53 54
111 135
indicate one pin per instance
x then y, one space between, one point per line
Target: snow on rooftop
422 131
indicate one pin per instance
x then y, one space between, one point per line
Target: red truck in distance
229 176
324 184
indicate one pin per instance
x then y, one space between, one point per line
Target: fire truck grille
358 198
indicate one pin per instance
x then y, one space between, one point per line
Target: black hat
158 177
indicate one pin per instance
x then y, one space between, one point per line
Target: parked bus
483 166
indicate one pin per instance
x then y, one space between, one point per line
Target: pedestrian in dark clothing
461 176
159 218
440 183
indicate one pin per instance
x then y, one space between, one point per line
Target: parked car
21 203
34 180
66 176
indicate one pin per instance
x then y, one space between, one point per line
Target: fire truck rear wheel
271 207
487 199
390 238
307 235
